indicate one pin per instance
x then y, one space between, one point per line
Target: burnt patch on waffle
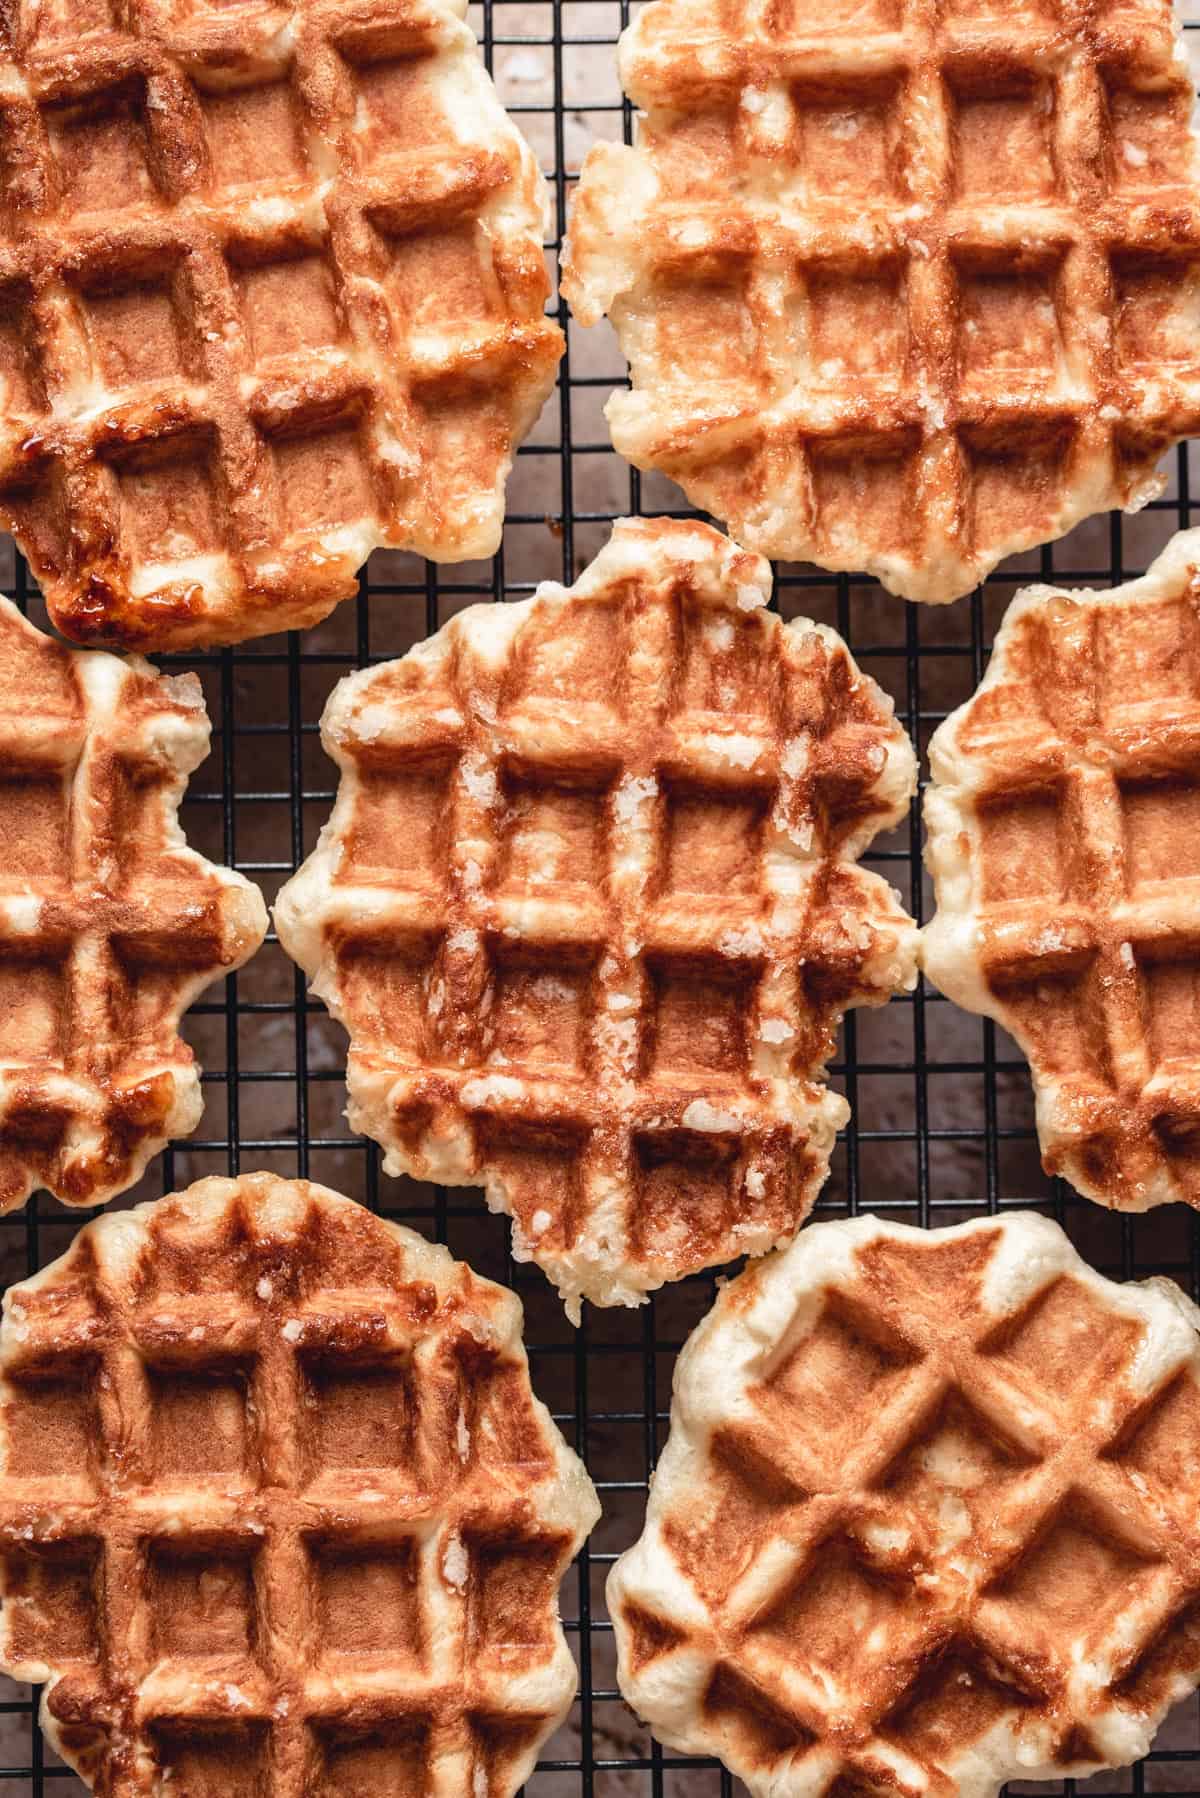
910 307
590 907
1063 827
917 1526
279 1512
271 296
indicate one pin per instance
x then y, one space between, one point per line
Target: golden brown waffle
271 291
279 1512
904 285
926 1519
1062 840
109 924
590 909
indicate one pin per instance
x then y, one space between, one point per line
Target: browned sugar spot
1073 1578
841 1620
1066 1339
838 1366
133 333
1154 319
361 1417
1001 135
199 1424
766 1730
716 1540
714 843
539 1014
101 149
208 1760
932 1277
289 307
859 323
391 1758
684 1197
200 1599
701 1012
167 501
1162 829
254 136
871 477
647 1636
850 145
50 1427
50 1603
368 1602
551 834
512 1600
399 833
323 480
1164 1446
954 1702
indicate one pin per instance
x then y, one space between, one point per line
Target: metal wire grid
942 1124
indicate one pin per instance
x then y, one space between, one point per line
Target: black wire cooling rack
942 1124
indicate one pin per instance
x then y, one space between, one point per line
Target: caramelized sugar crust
926 1519
110 925
1063 841
271 292
904 285
589 906
279 1513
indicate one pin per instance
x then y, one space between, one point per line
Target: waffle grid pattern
109 924
995 344
1080 883
258 803
965 1488
266 1387
217 408
616 1005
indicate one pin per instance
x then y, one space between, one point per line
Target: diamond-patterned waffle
904 285
279 1512
110 925
926 1519
589 906
271 291
1064 847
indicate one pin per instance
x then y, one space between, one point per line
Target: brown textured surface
922 1525
590 907
109 923
271 289
278 1510
903 286
1064 843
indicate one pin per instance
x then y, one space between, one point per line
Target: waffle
271 292
279 1512
904 286
1062 840
926 1519
588 905
109 924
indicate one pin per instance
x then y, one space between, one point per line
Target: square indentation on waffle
948 236
276 1499
942 1538
1065 805
303 235
109 924
590 906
